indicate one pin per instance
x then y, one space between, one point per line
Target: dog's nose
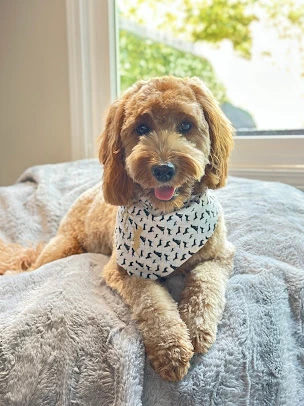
163 173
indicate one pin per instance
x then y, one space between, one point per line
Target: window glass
249 52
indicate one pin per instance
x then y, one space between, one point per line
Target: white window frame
92 61
93 74
273 158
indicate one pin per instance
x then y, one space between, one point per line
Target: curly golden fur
171 331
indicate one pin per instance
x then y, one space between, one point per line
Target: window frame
93 69
92 62
252 157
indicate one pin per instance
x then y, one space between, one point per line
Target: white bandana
153 245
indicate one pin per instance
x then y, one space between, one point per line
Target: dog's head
167 139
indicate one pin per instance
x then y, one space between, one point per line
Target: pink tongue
164 193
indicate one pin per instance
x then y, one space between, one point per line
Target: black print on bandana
153 244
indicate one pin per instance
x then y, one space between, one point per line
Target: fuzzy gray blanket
67 339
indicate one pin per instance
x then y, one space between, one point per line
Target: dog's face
165 139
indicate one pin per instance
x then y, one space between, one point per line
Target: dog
165 146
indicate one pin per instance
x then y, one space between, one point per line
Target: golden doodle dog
165 145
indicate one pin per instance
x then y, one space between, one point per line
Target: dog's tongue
164 193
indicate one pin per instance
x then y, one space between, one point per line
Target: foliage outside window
162 60
210 22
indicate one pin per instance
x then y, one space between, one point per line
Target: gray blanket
67 339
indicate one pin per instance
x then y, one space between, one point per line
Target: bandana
152 244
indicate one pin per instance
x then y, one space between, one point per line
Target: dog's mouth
164 193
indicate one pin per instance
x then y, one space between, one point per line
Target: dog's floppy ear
117 185
221 135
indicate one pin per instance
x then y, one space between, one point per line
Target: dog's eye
185 127
142 129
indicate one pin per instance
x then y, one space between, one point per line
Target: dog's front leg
165 335
203 300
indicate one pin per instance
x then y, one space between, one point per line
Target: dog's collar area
152 244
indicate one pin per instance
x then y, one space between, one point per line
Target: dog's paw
203 340
169 347
202 326
172 362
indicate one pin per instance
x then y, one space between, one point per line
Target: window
250 53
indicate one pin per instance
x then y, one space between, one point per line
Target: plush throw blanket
67 339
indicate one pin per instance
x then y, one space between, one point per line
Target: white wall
34 86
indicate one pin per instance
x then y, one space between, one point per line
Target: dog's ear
221 135
117 185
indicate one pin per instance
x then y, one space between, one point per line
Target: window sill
273 158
